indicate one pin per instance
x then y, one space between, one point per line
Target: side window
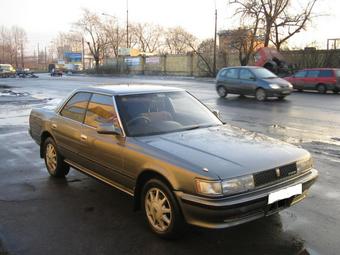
312 73
232 73
300 74
101 111
326 73
246 74
75 108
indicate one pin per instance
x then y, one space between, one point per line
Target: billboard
71 57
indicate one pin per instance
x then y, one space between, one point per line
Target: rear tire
161 210
281 97
221 91
335 91
54 162
322 88
260 95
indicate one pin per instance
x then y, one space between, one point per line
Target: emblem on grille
277 171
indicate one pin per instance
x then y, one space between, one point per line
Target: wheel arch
43 137
142 178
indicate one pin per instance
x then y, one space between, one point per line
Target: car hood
226 151
279 81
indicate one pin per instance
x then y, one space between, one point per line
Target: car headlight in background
226 187
290 86
304 165
274 86
238 185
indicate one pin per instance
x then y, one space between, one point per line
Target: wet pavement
79 215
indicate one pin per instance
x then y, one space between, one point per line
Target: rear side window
326 73
313 73
75 108
100 111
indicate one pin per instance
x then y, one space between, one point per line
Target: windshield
159 113
263 73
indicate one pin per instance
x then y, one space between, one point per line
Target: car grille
274 174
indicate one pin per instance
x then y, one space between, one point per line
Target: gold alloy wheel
158 209
51 158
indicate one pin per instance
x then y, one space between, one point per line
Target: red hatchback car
320 79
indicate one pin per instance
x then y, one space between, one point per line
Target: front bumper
234 210
278 92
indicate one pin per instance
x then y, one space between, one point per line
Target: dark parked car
250 80
320 79
177 160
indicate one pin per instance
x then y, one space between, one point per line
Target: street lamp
215 34
127 23
109 15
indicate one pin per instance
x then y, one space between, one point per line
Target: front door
247 82
102 153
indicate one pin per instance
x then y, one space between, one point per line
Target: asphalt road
79 215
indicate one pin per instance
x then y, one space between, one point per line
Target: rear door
327 77
232 80
312 79
67 123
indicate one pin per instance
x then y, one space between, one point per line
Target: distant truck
7 70
272 60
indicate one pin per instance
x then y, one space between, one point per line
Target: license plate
285 193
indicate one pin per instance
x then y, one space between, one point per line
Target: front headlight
290 86
210 188
304 165
238 185
274 86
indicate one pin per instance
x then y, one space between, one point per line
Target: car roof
130 89
247 67
323 68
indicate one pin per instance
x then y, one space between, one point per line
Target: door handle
83 137
54 126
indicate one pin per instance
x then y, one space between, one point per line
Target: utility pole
83 52
215 33
38 54
127 23
22 55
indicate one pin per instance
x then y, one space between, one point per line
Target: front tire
281 97
221 91
161 210
54 162
322 88
260 95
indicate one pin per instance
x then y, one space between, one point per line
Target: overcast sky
43 19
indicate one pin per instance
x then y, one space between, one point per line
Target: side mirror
108 129
216 113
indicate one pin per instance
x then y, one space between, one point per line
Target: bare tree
147 37
201 49
174 43
275 18
12 45
92 27
287 24
116 36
